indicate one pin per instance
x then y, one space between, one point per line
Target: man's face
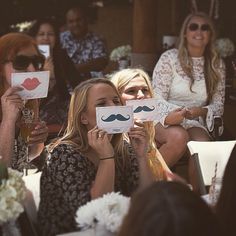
76 23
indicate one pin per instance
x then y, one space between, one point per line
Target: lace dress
65 185
172 86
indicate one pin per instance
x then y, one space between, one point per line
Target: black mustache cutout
143 108
115 117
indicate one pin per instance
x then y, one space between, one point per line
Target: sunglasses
21 62
195 27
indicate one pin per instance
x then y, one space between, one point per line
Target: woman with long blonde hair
87 162
134 84
190 81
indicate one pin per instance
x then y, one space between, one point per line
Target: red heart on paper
31 84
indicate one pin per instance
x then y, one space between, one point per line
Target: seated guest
87 162
135 84
226 205
191 82
86 49
63 75
169 209
18 53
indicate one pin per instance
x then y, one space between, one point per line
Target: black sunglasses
21 62
195 26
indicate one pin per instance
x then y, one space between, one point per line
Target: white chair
31 203
32 183
206 155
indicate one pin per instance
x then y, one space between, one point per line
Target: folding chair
206 155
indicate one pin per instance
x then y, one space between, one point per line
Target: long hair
120 80
64 68
123 77
168 209
10 45
34 29
76 132
211 59
226 205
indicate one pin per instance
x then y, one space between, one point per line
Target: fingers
102 134
11 103
37 139
138 123
12 90
40 128
96 133
39 134
137 132
174 177
10 96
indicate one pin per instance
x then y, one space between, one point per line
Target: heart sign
31 84
35 84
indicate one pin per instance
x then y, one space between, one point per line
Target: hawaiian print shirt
80 51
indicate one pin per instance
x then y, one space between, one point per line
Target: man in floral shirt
86 49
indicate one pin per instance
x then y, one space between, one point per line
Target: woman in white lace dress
191 81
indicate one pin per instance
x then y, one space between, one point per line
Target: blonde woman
87 162
191 81
135 84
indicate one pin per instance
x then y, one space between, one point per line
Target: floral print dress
65 185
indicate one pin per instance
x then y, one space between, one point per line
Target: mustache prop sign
114 119
145 109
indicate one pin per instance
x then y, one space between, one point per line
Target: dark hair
81 6
10 45
34 29
168 209
226 205
63 66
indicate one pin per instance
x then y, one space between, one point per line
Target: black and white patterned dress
19 159
65 185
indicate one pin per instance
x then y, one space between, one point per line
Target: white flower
23 26
224 47
12 193
122 52
108 211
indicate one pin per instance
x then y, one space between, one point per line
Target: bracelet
106 158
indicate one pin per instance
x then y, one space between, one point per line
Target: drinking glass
214 191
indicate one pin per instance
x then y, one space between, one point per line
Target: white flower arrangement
23 26
225 47
107 211
122 52
12 193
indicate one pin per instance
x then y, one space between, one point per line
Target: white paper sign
35 84
144 109
44 49
114 119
